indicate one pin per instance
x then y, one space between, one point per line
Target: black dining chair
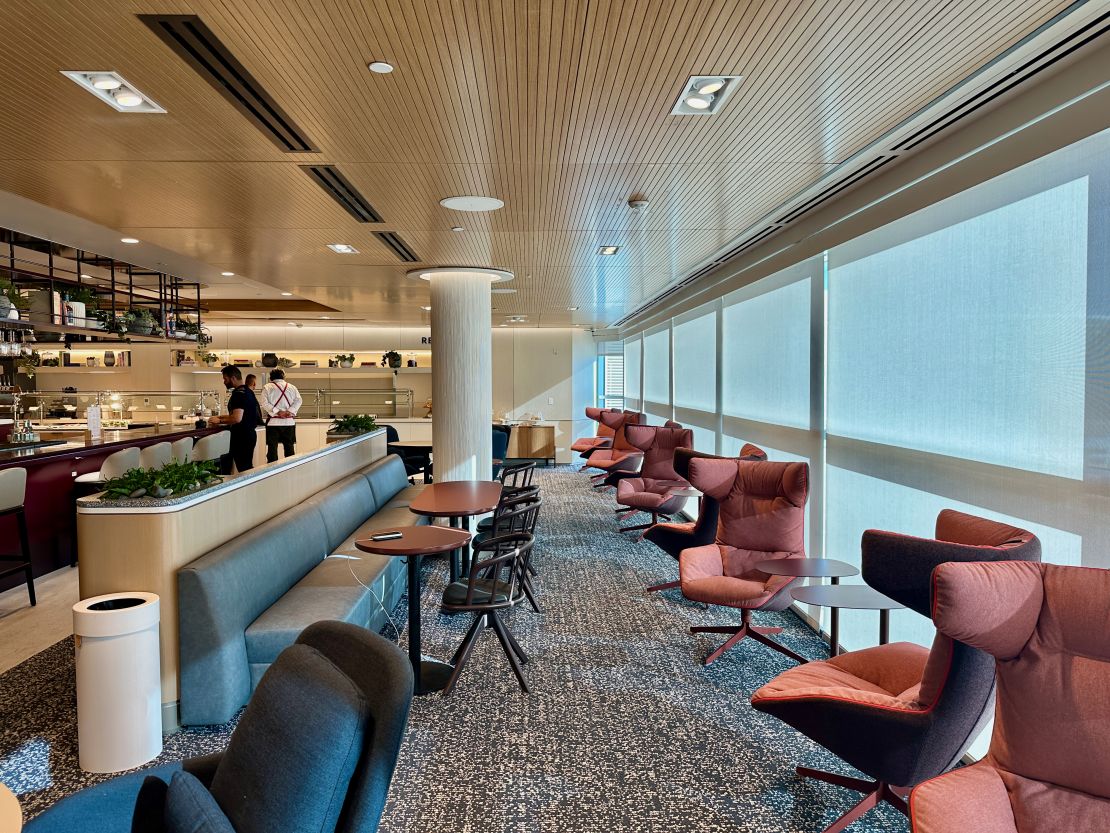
495 583
518 515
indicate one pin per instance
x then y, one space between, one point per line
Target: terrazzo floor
624 730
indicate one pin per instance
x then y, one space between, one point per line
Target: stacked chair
900 713
496 583
650 491
761 517
602 439
1047 767
673 538
622 455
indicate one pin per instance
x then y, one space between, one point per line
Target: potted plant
194 329
207 358
87 299
117 323
392 358
142 321
52 361
173 478
353 424
345 359
11 301
27 364
285 363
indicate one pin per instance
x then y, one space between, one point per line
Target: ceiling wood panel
559 108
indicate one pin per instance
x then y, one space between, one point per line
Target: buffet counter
51 470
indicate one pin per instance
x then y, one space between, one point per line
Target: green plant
205 357
142 316
27 364
345 357
284 362
84 295
51 362
173 478
353 424
392 358
117 323
195 328
11 292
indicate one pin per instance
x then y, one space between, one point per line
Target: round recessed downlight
709 86
129 240
127 98
106 82
471 203
493 275
380 67
426 309
699 102
457 228
287 294
227 274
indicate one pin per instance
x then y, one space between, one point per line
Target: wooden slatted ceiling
560 108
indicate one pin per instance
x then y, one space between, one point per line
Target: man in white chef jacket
280 403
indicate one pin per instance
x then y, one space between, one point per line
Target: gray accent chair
314 750
246 601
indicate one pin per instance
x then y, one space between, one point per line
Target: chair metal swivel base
874 793
740 632
512 649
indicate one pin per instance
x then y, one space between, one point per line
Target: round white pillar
462 373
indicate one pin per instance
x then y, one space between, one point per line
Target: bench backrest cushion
344 506
386 477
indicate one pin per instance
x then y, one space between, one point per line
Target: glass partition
329 404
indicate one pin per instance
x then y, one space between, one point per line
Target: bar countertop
80 441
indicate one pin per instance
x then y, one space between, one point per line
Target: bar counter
51 471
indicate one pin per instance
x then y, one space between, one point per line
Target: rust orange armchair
603 438
622 456
651 491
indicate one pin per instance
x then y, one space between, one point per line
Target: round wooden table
415 542
456 500
814 568
11 814
853 597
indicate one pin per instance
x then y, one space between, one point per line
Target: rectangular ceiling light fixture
198 46
608 250
704 95
114 90
343 248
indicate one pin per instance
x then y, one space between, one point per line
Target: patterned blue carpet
625 730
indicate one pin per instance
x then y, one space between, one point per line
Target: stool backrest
155 456
115 465
182 450
212 446
13 488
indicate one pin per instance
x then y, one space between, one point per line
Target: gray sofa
241 604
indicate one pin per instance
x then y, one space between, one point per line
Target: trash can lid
115 614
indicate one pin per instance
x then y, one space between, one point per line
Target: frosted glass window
632 372
704 439
657 366
765 366
695 363
967 340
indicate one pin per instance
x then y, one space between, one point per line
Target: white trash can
119 685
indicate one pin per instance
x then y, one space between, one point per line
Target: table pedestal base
433 676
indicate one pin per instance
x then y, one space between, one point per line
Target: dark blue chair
314 749
500 447
414 462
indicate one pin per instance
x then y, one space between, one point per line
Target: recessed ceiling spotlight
426 309
86 277
471 203
343 248
457 228
326 317
287 294
227 274
129 240
105 82
114 90
380 67
704 95
127 97
608 250
708 86
572 309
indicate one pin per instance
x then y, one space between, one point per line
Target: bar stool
13 490
113 466
212 447
182 450
155 456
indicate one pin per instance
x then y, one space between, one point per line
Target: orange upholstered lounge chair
622 456
603 438
651 491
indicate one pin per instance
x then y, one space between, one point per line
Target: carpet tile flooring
624 730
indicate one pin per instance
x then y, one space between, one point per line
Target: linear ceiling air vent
194 42
397 246
835 189
343 192
1035 65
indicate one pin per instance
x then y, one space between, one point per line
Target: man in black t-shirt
242 417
